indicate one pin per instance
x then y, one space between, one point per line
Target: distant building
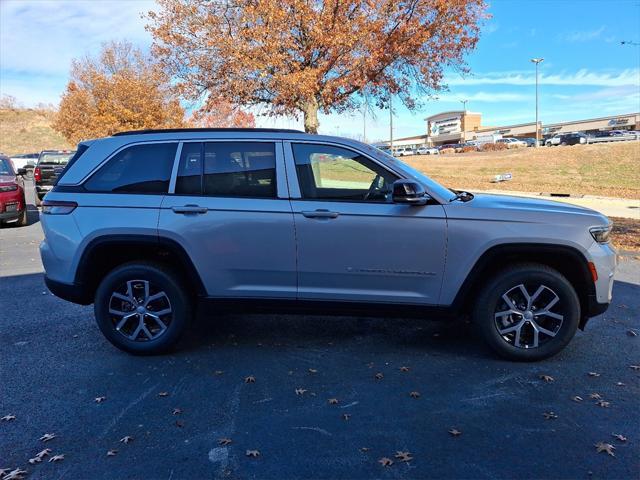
461 126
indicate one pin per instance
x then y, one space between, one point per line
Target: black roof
180 130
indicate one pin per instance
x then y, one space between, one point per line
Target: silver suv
148 225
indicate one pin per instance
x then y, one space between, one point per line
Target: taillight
55 207
37 174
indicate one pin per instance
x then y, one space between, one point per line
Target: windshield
431 185
5 167
55 158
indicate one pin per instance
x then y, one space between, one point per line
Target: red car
13 207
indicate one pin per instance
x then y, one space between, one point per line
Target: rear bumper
8 216
73 293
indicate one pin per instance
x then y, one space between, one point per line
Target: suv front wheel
142 309
528 312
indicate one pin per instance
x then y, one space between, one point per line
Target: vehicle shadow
33 214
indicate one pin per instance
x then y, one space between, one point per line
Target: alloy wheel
527 320
140 310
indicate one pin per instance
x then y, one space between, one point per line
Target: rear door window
227 169
136 169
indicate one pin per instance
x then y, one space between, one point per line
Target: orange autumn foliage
305 56
121 89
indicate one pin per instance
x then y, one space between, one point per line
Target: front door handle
320 214
190 209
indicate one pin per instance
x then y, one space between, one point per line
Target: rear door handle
320 214
190 209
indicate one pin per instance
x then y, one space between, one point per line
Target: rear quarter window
136 169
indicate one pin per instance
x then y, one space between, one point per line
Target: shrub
493 147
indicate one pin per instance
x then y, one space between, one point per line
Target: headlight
8 188
601 234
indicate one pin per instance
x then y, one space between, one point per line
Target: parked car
531 142
427 151
404 151
13 206
553 141
573 139
511 142
147 225
50 165
26 161
455 146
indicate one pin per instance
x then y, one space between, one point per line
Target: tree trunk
310 112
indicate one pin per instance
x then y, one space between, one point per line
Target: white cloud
630 76
43 36
584 35
488 97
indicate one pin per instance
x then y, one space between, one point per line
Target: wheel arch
569 261
103 254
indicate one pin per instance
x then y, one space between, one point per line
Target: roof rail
180 130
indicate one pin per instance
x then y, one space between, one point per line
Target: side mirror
410 192
22 172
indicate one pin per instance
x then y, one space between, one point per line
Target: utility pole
464 104
537 61
463 120
390 124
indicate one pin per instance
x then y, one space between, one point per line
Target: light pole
463 120
537 61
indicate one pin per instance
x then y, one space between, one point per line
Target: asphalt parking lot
54 364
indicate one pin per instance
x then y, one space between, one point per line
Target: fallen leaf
594 374
250 379
99 399
163 394
455 432
300 391
346 416
577 398
126 439
595 396
622 305
218 372
176 411
379 376
385 462
16 474
313 370
56 458
605 447
403 456
333 401
224 441
253 453
8 418
620 437
632 333
414 394
112 453
620 384
48 436
546 378
33 461
364 449
634 367
404 369
43 453
549 415
603 404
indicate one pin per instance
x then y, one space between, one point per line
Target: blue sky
586 72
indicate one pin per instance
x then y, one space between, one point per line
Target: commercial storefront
461 126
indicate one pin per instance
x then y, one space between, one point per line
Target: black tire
490 303
24 218
160 279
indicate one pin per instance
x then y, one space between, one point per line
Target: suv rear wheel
142 309
528 312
